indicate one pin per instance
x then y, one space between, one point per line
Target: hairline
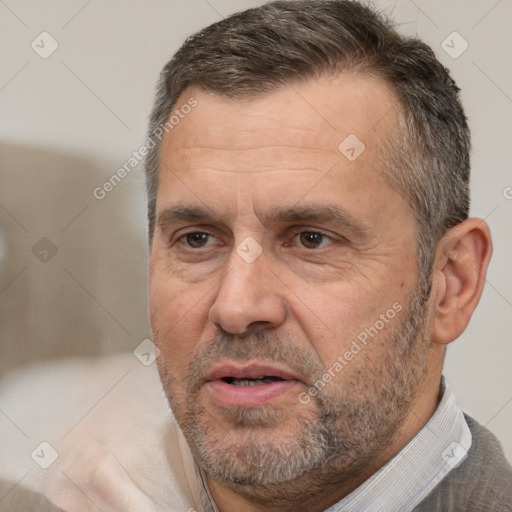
274 86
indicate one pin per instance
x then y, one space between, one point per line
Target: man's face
283 281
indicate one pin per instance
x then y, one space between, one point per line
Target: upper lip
252 370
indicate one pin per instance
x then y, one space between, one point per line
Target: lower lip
249 396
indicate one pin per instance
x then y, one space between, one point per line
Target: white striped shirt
403 482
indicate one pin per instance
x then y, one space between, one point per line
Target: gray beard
352 423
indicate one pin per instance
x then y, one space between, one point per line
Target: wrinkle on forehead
225 150
316 115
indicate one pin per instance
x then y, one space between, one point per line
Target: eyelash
292 237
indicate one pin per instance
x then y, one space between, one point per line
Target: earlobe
460 268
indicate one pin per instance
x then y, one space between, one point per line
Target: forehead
330 130
317 114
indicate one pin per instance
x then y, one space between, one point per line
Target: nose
249 297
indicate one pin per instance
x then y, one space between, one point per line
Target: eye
313 239
198 239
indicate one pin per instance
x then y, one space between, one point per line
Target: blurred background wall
76 86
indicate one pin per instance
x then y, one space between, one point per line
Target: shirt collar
401 484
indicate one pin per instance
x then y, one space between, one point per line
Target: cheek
335 317
178 313
331 328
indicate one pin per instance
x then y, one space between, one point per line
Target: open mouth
251 382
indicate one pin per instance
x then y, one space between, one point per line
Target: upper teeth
251 382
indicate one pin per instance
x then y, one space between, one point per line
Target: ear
462 258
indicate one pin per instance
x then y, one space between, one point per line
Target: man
311 258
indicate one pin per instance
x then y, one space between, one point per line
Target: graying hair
256 51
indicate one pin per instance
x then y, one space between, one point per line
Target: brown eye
197 240
311 239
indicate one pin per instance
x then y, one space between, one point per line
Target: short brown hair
255 51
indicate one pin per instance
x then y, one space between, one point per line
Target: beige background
69 121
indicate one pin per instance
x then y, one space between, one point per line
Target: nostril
257 324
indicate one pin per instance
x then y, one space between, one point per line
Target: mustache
262 346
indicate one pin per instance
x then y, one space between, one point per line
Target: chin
255 446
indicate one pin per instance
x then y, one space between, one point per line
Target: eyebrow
184 213
331 214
